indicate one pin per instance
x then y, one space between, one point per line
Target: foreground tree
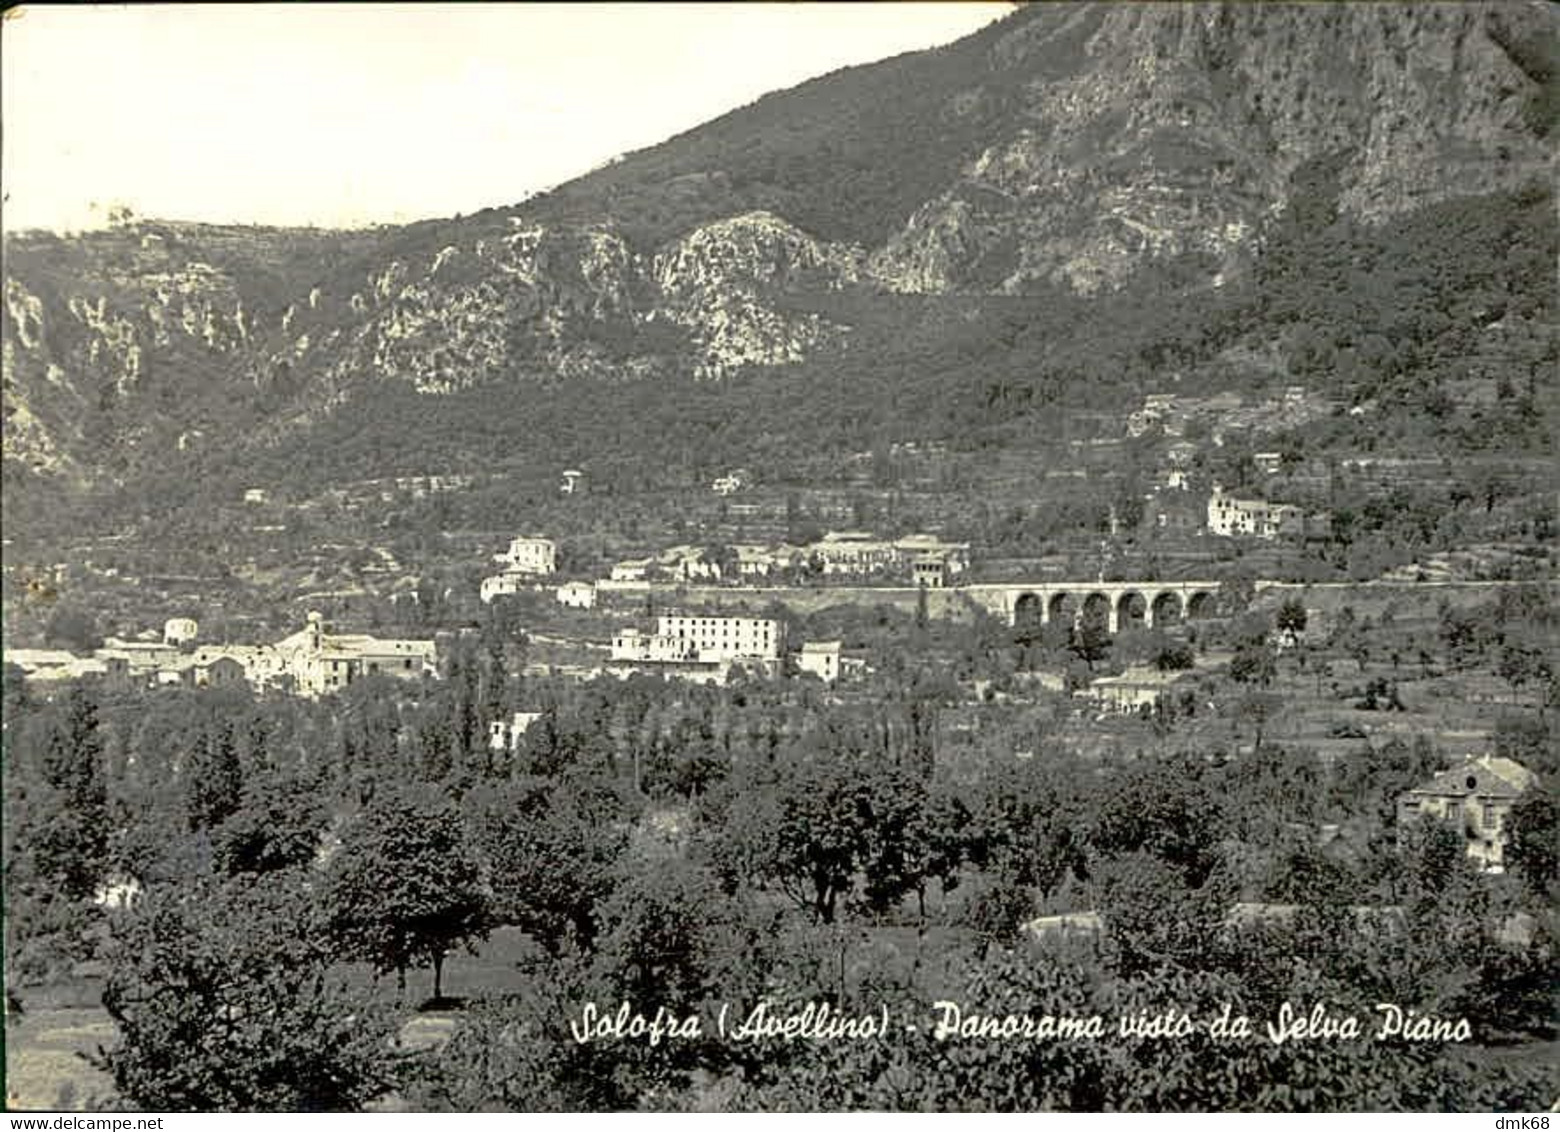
550 848
1533 839
405 887
223 1001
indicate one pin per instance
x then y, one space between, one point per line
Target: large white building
319 661
821 658
699 648
577 595
861 552
1253 518
179 630
504 734
1477 799
530 554
725 638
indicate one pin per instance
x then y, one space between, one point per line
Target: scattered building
530 554
761 561
821 658
698 648
930 571
1235 517
861 552
727 485
1477 796
577 595
631 570
502 585
504 734
320 661
1268 463
256 495
180 630
1068 925
42 664
572 479
1133 690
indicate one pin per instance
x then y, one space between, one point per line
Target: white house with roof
319 661
504 734
577 595
1477 797
1234 517
180 630
530 554
821 659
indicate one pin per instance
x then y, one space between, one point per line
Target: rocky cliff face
1093 139
1181 126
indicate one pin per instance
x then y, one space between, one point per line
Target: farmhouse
1256 518
320 661
1476 796
821 658
530 554
577 595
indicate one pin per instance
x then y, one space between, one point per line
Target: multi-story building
502 585
821 658
504 734
179 630
1477 796
861 552
725 638
577 595
319 661
530 554
699 648
1234 517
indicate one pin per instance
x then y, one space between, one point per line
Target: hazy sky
353 114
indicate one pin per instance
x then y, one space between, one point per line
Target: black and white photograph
780 557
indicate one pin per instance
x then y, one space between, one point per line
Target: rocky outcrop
1077 143
718 280
1182 124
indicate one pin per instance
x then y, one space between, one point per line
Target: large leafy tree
1533 838
405 887
550 850
224 1001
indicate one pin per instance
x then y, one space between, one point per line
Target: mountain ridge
1065 149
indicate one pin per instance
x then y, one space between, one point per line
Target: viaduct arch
1126 605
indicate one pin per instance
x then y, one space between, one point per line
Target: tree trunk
438 976
400 979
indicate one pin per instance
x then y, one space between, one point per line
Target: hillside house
504 734
180 630
698 648
530 554
320 661
572 479
1476 796
760 562
821 658
861 553
1234 517
930 571
502 585
1135 689
631 570
577 595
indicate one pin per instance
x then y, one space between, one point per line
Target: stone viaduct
1126 605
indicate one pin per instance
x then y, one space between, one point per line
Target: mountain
1074 182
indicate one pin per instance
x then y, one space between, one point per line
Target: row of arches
1131 609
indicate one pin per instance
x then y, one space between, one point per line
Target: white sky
342 115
